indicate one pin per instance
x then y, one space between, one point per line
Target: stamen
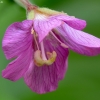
32 31
64 45
40 58
34 34
61 43
55 37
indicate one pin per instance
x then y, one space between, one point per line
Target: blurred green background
82 81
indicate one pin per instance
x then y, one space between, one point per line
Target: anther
64 45
32 31
35 37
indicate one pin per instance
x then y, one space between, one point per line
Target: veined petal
41 79
61 64
43 25
17 38
19 66
45 78
72 21
79 41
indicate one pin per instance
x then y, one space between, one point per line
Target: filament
62 44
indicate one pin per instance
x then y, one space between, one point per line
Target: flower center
40 57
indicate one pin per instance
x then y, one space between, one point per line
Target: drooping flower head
40 45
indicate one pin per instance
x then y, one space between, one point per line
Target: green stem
26 4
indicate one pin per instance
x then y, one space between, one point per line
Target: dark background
82 81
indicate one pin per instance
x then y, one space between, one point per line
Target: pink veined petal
73 22
41 79
45 79
19 66
79 41
43 26
17 38
61 62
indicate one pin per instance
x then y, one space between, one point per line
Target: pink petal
44 26
17 38
41 79
72 21
19 66
79 41
45 79
51 44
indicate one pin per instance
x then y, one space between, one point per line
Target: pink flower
40 47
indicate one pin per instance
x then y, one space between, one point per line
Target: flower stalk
26 4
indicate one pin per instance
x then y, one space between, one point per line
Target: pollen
32 31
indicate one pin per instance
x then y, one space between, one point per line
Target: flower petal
79 41
51 44
45 78
17 38
72 21
43 25
19 66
